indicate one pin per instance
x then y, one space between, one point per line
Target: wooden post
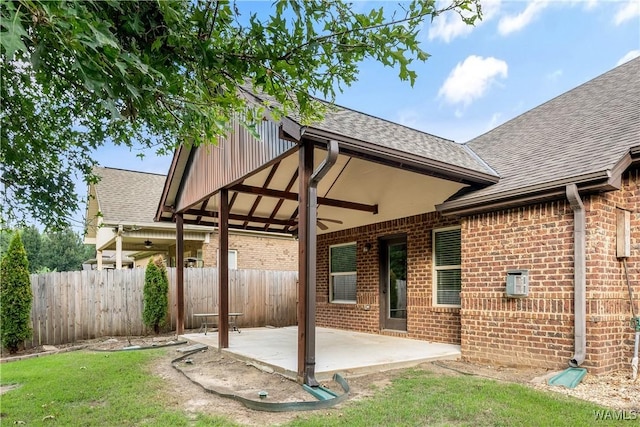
223 269
119 248
180 274
305 168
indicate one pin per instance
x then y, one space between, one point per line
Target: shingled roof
383 133
126 196
396 140
578 136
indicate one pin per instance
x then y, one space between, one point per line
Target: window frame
444 267
233 266
348 273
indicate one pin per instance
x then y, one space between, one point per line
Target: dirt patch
229 375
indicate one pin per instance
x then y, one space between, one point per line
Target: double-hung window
342 273
447 266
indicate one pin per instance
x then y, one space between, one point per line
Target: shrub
15 296
156 299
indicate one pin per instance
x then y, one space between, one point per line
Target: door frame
383 244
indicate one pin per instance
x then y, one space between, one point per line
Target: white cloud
495 121
629 56
512 23
627 11
554 75
470 79
590 4
449 25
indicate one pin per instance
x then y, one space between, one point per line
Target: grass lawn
100 389
90 389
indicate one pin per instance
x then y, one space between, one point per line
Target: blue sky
522 54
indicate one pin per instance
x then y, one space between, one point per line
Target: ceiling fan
320 222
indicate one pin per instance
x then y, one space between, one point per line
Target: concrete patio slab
337 351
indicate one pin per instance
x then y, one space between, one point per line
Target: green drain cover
569 378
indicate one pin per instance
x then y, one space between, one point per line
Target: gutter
579 277
597 181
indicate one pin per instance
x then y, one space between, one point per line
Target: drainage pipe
312 217
635 323
579 277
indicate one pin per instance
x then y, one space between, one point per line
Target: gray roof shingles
128 196
383 133
586 130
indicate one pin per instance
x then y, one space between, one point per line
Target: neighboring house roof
582 136
126 196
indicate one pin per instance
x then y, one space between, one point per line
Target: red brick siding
538 330
423 320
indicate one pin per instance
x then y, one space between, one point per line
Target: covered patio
337 351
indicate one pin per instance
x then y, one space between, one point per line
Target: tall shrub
15 296
156 299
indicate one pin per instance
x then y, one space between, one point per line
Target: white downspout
579 277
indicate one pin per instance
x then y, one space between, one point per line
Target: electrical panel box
517 283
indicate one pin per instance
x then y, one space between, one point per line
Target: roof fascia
176 172
593 182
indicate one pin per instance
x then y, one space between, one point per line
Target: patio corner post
223 270
305 168
180 274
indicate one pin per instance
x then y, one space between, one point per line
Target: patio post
180 274
305 168
223 270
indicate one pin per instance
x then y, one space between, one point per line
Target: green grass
421 398
117 389
91 389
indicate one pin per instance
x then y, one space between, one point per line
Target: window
233 259
342 273
446 266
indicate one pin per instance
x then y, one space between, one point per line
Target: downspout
312 214
579 277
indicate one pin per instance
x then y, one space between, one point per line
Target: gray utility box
517 283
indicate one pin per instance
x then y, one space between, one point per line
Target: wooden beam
267 181
281 201
293 196
179 274
238 217
223 270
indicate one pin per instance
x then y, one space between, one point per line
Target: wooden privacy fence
79 305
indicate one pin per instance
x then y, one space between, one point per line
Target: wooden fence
79 305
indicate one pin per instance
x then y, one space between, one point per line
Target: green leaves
159 73
15 296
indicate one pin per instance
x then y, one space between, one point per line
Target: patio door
393 283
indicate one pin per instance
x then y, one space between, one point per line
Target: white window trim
436 269
349 273
233 266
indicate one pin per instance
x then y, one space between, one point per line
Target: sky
522 54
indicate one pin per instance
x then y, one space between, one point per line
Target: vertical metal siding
235 156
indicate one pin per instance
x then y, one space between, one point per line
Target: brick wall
538 330
423 320
256 252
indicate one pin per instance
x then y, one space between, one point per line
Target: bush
156 298
15 296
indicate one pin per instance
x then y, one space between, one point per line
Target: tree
15 296
32 241
62 251
155 295
161 73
